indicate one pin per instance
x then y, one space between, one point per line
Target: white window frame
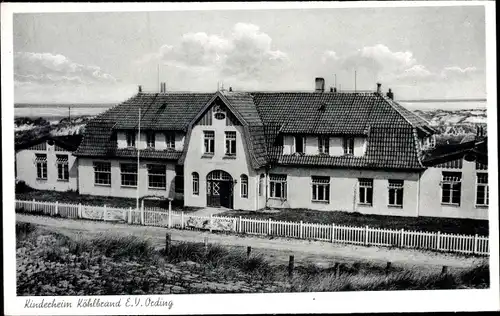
150 139
128 183
320 186
486 191
452 179
209 142
278 183
156 185
41 166
244 186
348 145
103 171
395 187
195 183
365 185
62 162
170 140
230 140
303 144
323 145
130 137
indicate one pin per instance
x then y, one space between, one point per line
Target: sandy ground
276 250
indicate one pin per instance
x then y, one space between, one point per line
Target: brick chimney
390 95
140 88
378 87
320 85
230 89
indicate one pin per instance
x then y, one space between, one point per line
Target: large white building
323 150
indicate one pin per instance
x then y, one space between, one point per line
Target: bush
22 187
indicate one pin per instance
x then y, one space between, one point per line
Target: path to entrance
276 250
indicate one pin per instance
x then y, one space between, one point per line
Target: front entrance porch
220 189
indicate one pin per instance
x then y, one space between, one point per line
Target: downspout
418 193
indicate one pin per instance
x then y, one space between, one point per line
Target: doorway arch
220 189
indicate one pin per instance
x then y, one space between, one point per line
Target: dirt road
277 250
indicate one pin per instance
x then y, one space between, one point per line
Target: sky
418 52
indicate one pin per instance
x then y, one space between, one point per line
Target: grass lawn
75 198
432 224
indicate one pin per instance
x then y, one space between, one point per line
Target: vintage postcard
242 158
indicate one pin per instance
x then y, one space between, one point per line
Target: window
62 167
230 143
261 184
170 140
299 144
130 139
396 192
157 176
179 179
129 174
196 183
450 188
348 145
102 173
365 191
150 139
321 189
324 145
209 142
482 190
244 186
277 184
41 166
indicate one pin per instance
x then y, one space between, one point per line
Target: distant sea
58 111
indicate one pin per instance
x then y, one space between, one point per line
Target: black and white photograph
295 157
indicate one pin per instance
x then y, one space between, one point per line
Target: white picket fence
367 236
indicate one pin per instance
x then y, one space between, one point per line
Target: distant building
47 163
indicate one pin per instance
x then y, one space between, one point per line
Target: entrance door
219 189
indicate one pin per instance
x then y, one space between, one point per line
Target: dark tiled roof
477 148
68 142
390 129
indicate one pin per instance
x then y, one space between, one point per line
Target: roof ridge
393 104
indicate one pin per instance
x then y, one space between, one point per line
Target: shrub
22 187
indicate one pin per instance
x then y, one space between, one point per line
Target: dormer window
300 144
170 140
130 139
348 145
324 145
150 139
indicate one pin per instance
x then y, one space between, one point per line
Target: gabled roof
390 129
68 142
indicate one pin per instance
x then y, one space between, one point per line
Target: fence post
300 232
129 219
333 232
182 219
104 213
80 210
474 251
269 227
169 216
366 235
57 208
211 222
438 241
290 266
239 226
33 205
401 237
142 212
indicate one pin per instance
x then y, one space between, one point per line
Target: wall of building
344 190
196 162
87 186
430 194
27 172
